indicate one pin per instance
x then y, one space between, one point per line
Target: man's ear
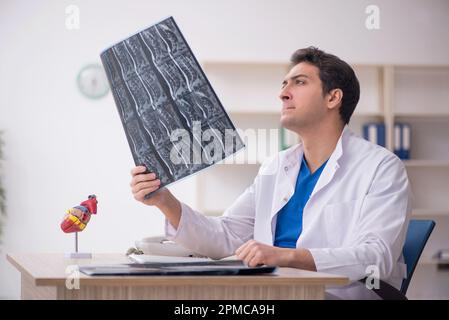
334 98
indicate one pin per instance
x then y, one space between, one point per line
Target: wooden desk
44 277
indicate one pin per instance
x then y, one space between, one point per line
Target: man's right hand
144 183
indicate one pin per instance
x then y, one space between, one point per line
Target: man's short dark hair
334 74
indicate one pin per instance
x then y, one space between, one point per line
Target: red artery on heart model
77 218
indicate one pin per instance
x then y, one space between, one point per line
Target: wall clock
92 81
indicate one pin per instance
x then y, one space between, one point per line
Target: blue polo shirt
289 218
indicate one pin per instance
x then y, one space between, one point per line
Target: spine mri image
167 106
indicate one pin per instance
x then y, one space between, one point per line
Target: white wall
60 147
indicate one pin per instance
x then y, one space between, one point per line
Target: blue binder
374 132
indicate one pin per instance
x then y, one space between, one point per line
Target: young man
335 203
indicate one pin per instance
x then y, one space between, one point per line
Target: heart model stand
76 254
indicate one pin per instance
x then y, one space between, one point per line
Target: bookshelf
421 99
413 94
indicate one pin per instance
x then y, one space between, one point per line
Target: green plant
2 191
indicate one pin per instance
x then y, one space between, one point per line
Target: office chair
418 233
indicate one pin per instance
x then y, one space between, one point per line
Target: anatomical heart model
76 220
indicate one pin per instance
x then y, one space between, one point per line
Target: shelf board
261 63
422 116
367 114
426 163
422 212
432 261
420 66
428 261
400 116
233 165
283 63
263 112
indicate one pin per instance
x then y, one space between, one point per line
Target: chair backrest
417 235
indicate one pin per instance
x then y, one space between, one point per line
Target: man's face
303 104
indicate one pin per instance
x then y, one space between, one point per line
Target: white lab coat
356 216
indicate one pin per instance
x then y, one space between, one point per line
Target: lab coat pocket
340 222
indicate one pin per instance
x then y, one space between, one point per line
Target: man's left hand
254 253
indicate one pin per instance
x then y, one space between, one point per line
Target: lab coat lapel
332 164
286 179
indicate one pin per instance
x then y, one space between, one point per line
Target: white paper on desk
146 258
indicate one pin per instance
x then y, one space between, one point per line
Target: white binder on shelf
402 135
397 148
406 133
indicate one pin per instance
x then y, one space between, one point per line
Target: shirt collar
297 152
